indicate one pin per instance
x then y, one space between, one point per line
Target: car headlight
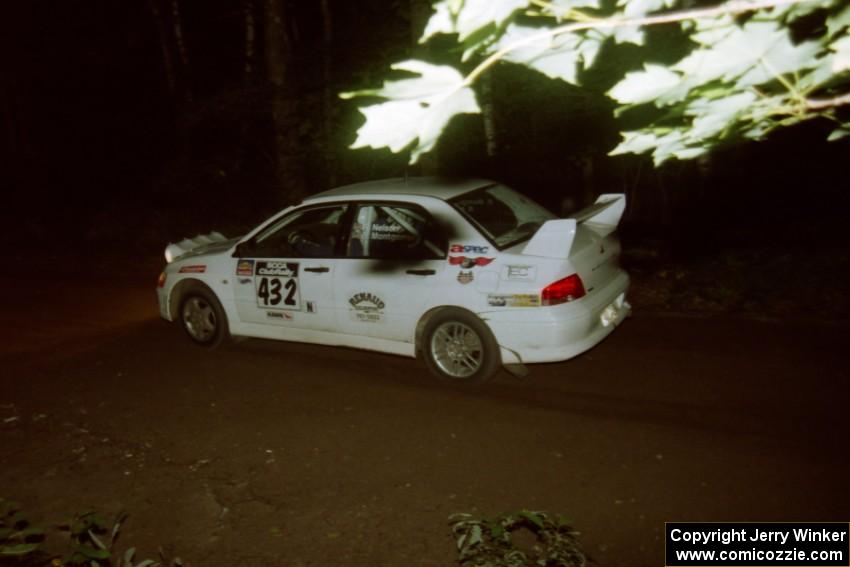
172 251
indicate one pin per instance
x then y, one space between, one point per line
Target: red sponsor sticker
467 262
197 269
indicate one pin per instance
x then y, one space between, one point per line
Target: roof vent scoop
175 250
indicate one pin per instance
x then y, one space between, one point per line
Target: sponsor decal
387 228
311 307
285 315
366 308
514 300
245 268
281 269
466 262
276 285
197 269
392 236
468 249
465 277
521 273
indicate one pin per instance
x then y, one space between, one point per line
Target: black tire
458 348
202 317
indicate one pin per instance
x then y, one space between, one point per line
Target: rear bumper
553 334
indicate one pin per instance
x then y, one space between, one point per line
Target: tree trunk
250 43
177 28
288 169
165 49
490 137
420 12
328 98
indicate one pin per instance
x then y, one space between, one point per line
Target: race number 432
276 284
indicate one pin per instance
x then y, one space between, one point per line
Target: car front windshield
503 215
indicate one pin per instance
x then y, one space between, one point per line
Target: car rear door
394 262
284 275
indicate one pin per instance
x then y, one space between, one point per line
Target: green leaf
564 6
629 34
147 563
819 75
756 53
419 108
478 41
784 58
590 46
29 532
496 530
96 540
637 8
645 86
476 536
557 57
841 59
837 22
714 116
838 134
532 517
128 555
465 17
19 549
116 527
637 142
794 11
92 553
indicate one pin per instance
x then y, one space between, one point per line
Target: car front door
393 262
284 274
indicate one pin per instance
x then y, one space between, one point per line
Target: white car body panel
377 305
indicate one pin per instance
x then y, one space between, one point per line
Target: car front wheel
459 348
202 317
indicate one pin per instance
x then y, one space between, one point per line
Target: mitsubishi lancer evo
468 276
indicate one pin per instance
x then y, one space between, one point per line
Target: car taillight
161 281
562 291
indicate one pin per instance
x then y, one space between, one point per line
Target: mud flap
517 370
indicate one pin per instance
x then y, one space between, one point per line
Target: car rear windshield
504 216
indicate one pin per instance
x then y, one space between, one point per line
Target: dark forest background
127 124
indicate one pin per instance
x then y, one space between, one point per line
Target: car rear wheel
459 348
202 317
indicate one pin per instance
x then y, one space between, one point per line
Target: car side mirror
242 249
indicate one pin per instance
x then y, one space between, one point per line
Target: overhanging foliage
752 67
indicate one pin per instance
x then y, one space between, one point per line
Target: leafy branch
740 80
733 7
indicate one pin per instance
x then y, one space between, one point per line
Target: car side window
311 233
394 232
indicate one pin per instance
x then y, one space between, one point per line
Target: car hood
203 244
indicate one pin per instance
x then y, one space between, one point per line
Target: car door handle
320 269
422 272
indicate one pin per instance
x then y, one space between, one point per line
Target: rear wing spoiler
555 238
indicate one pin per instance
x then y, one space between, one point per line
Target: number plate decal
276 285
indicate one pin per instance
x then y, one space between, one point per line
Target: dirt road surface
266 453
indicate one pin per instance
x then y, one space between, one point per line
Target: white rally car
468 275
